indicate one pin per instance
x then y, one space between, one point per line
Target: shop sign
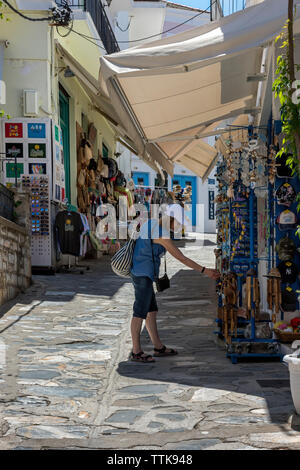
13 130
13 150
211 205
36 130
37 150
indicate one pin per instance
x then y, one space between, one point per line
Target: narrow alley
67 382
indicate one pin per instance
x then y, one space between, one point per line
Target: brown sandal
163 352
141 357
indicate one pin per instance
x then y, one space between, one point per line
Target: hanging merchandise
288 300
285 195
273 292
286 220
243 174
288 271
283 170
69 227
286 249
112 167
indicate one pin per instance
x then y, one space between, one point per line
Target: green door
64 114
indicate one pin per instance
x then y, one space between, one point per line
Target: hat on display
285 249
287 220
92 164
289 300
288 271
273 273
283 170
285 194
104 172
112 167
130 184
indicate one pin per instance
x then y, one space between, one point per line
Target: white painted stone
98 355
49 359
289 437
208 394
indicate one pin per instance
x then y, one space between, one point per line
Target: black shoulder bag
162 283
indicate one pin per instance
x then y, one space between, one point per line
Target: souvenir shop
34 162
258 250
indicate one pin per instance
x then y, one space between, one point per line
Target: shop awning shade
182 85
103 104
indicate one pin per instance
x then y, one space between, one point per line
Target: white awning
199 159
104 106
182 85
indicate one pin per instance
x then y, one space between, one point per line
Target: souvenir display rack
287 261
41 234
246 332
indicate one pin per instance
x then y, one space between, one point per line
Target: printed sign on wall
58 165
36 130
13 149
11 170
37 150
13 130
30 138
37 168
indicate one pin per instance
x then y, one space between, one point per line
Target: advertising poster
37 151
13 130
58 165
10 170
36 130
13 149
37 168
30 140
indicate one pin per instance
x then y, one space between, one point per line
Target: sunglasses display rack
39 188
239 321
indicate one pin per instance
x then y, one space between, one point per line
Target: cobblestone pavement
66 381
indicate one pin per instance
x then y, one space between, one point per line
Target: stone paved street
66 381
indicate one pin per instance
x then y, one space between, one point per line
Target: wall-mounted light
68 73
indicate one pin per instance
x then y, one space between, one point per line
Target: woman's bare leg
151 326
136 326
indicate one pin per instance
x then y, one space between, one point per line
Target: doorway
64 117
184 181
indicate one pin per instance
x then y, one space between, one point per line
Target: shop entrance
184 181
140 178
64 115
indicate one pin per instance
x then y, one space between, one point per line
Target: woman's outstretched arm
174 251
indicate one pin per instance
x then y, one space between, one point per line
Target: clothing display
69 228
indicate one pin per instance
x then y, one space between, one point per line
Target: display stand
237 241
72 268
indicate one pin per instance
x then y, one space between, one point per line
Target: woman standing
153 242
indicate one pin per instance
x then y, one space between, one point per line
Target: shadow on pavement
186 323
